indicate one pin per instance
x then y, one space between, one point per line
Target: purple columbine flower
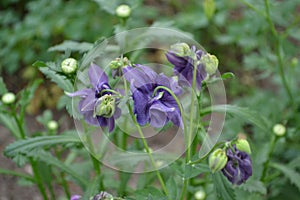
75 197
184 67
149 107
239 166
97 105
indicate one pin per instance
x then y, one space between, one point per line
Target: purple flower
96 105
184 67
75 197
239 166
149 107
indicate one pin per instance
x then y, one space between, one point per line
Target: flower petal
81 93
138 77
158 114
141 107
96 75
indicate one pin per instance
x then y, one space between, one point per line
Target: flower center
101 86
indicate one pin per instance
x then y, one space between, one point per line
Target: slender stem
278 53
32 162
189 135
148 150
65 185
266 164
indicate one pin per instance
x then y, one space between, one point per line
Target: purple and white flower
98 105
154 108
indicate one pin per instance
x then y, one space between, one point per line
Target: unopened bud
9 98
294 62
279 130
181 49
123 11
105 106
200 195
243 145
217 160
69 65
52 125
210 62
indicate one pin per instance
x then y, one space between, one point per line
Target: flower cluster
152 93
234 161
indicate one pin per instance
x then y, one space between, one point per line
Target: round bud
294 62
210 62
279 130
52 125
123 11
217 160
200 195
69 65
115 64
181 49
243 145
9 98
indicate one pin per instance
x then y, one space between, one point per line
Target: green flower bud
105 106
9 98
123 11
181 49
200 195
243 145
119 62
52 125
294 62
69 65
210 62
279 130
217 160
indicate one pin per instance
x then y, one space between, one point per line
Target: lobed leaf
290 173
223 189
250 115
72 45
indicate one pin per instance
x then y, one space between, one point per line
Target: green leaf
150 193
172 188
3 88
223 188
60 80
28 93
22 146
14 173
10 124
290 173
195 170
72 45
250 115
93 187
254 186
95 52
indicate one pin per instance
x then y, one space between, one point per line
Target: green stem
148 151
33 164
266 164
278 53
189 135
65 185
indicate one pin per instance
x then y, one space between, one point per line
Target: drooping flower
184 66
97 105
154 108
239 166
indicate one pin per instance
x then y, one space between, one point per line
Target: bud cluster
233 160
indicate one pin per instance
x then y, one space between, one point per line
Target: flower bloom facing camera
239 166
98 105
151 105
